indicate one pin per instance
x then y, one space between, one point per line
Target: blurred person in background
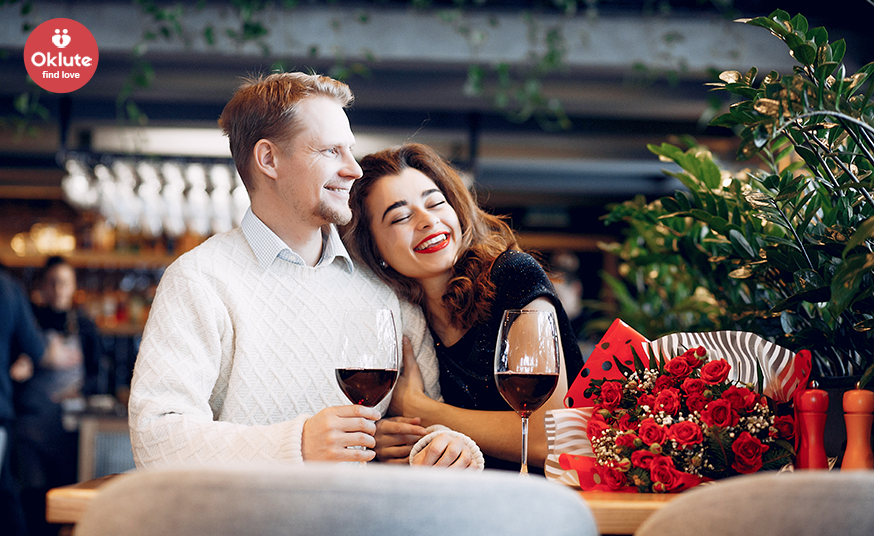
47 453
19 334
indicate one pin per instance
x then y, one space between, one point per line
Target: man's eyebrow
393 206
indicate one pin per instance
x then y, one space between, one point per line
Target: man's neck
305 240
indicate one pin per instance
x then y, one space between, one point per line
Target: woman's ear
266 153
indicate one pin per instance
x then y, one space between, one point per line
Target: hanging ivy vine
515 90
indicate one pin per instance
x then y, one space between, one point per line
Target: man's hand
395 438
445 450
328 433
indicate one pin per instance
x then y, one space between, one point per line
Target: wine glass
527 364
368 361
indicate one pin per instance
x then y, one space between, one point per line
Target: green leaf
638 363
622 367
740 244
866 377
805 53
839 48
847 279
799 23
670 204
863 232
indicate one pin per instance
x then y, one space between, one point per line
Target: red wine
526 392
366 387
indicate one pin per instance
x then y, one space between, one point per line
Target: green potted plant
784 249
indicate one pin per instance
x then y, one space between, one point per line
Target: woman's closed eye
400 218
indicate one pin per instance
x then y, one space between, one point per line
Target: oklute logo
60 55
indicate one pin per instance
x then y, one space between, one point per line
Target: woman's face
416 230
59 286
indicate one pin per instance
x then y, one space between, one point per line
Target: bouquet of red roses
674 424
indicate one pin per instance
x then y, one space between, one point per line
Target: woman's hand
409 386
395 438
445 450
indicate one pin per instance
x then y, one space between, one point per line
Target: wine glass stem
524 470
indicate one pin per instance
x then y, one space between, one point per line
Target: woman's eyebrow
396 204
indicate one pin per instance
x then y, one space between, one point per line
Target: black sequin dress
467 367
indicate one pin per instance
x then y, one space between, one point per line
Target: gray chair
803 503
333 500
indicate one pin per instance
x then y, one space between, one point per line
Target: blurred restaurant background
547 106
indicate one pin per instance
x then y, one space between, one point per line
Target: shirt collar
267 246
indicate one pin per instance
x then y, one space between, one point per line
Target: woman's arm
498 433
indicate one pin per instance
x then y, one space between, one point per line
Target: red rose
626 440
647 400
662 470
614 478
747 453
668 401
642 458
678 367
596 426
693 385
662 383
626 424
719 413
741 398
651 432
611 395
785 426
696 402
686 433
715 372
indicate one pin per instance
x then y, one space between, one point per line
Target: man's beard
332 215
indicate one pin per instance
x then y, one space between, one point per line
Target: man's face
317 165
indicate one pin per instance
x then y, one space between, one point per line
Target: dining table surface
615 513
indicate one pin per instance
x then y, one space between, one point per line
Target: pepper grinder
858 414
813 404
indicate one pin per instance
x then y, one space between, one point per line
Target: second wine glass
527 364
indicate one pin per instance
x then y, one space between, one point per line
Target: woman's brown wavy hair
483 236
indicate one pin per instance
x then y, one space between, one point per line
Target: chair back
333 500
803 503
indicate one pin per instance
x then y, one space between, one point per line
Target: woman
420 230
47 451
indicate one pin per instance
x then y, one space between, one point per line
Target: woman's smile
433 243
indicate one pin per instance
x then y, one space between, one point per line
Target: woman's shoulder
514 260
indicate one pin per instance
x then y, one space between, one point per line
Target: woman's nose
427 220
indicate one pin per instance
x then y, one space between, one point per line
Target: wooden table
615 513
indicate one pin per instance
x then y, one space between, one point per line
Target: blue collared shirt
267 246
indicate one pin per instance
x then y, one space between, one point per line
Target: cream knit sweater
235 358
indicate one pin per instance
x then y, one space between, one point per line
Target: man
237 358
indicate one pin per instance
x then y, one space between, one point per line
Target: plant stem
795 234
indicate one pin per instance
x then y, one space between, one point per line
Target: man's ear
266 158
